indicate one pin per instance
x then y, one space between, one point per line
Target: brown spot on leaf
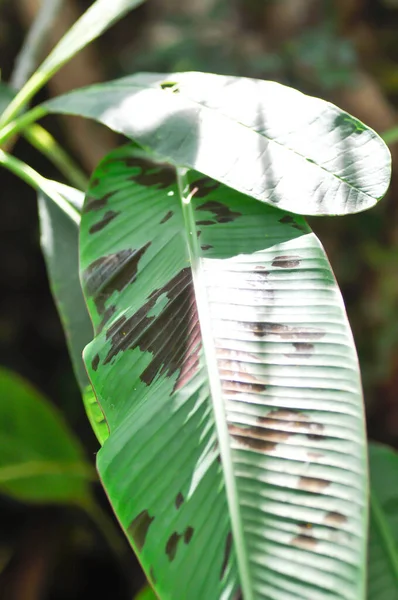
188 533
96 203
112 273
313 484
257 438
106 219
306 542
108 313
173 336
335 519
227 554
179 500
238 595
205 222
95 362
171 545
167 217
293 421
303 349
286 262
243 387
152 174
205 186
286 220
315 455
206 247
139 528
223 214
285 332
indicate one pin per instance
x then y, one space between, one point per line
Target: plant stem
38 182
37 80
35 41
43 141
14 127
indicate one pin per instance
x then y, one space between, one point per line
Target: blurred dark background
345 51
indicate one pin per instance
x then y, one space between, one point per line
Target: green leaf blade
264 300
383 542
315 159
40 460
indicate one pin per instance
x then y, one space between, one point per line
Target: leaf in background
59 242
6 95
99 17
383 543
40 460
261 138
225 366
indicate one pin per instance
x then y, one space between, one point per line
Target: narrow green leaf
59 242
383 543
261 138
226 369
40 460
101 15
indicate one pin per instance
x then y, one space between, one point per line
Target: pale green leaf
59 242
261 138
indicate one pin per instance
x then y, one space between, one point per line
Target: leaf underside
269 141
225 367
59 242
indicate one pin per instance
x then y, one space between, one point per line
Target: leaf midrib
215 389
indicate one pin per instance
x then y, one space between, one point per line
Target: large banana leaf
226 369
383 543
259 137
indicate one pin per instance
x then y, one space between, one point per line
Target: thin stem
38 182
43 141
106 526
14 127
35 42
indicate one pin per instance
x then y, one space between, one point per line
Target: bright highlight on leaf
261 138
226 370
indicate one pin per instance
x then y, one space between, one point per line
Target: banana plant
222 359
